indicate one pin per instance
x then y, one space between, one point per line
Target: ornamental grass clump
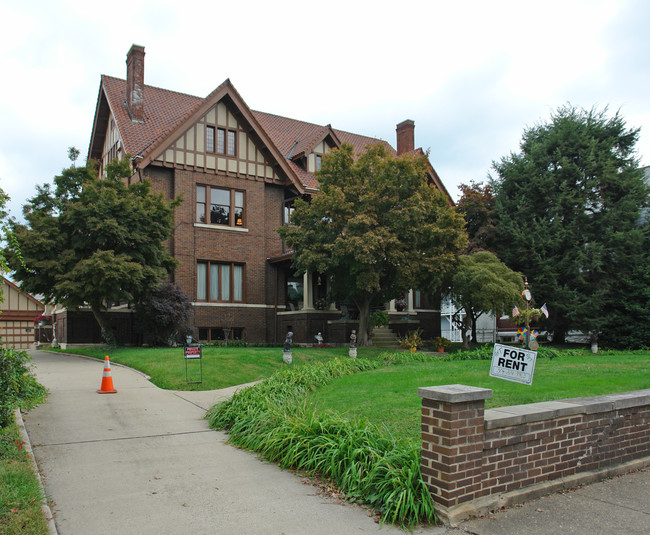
364 461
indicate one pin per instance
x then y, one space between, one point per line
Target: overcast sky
471 74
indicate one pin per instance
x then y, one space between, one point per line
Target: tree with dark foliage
164 315
569 207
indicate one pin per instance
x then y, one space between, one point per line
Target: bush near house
16 383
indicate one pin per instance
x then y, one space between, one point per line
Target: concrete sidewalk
620 505
144 461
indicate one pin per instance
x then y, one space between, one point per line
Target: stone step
385 337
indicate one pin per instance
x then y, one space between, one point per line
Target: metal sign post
194 353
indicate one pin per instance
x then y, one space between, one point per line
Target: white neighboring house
486 325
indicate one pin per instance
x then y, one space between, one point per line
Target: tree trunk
107 333
467 322
559 335
474 319
364 321
593 339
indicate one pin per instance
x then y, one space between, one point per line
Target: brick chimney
135 83
405 136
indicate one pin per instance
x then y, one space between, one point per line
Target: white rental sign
513 364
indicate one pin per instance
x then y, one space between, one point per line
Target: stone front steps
385 337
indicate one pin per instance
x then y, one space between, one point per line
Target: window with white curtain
219 281
201 280
237 282
225 282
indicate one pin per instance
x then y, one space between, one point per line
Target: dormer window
319 161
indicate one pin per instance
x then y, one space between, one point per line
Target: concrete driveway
144 461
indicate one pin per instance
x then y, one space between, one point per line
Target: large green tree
568 213
377 227
482 284
93 241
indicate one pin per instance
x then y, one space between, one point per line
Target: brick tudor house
239 172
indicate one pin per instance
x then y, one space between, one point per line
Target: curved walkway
144 461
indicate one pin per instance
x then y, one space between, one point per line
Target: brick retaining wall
474 460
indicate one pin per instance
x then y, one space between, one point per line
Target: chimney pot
405 137
135 83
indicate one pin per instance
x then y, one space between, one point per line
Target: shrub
164 316
379 318
364 461
16 383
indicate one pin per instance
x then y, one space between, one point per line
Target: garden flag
515 311
544 310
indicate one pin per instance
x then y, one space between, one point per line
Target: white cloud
471 74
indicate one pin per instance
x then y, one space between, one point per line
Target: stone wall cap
532 412
623 400
454 393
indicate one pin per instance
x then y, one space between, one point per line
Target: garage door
18 334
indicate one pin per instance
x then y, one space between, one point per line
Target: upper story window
219 206
319 161
288 211
209 139
225 142
220 140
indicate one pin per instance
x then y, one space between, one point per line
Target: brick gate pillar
452 444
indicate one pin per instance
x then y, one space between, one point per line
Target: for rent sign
513 364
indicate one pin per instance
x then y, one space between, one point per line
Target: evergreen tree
568 214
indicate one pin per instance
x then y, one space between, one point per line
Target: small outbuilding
19 310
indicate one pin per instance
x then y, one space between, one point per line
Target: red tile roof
165 111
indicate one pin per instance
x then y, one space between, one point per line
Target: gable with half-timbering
219 143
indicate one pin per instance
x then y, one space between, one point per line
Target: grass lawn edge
27 446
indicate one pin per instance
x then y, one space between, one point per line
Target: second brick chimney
135 83
405 136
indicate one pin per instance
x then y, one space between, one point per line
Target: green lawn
222 367
20 494
389 396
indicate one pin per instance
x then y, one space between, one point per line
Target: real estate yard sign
513 364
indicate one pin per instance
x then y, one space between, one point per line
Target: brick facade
475 460
179 142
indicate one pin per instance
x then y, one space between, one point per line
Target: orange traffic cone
107 379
